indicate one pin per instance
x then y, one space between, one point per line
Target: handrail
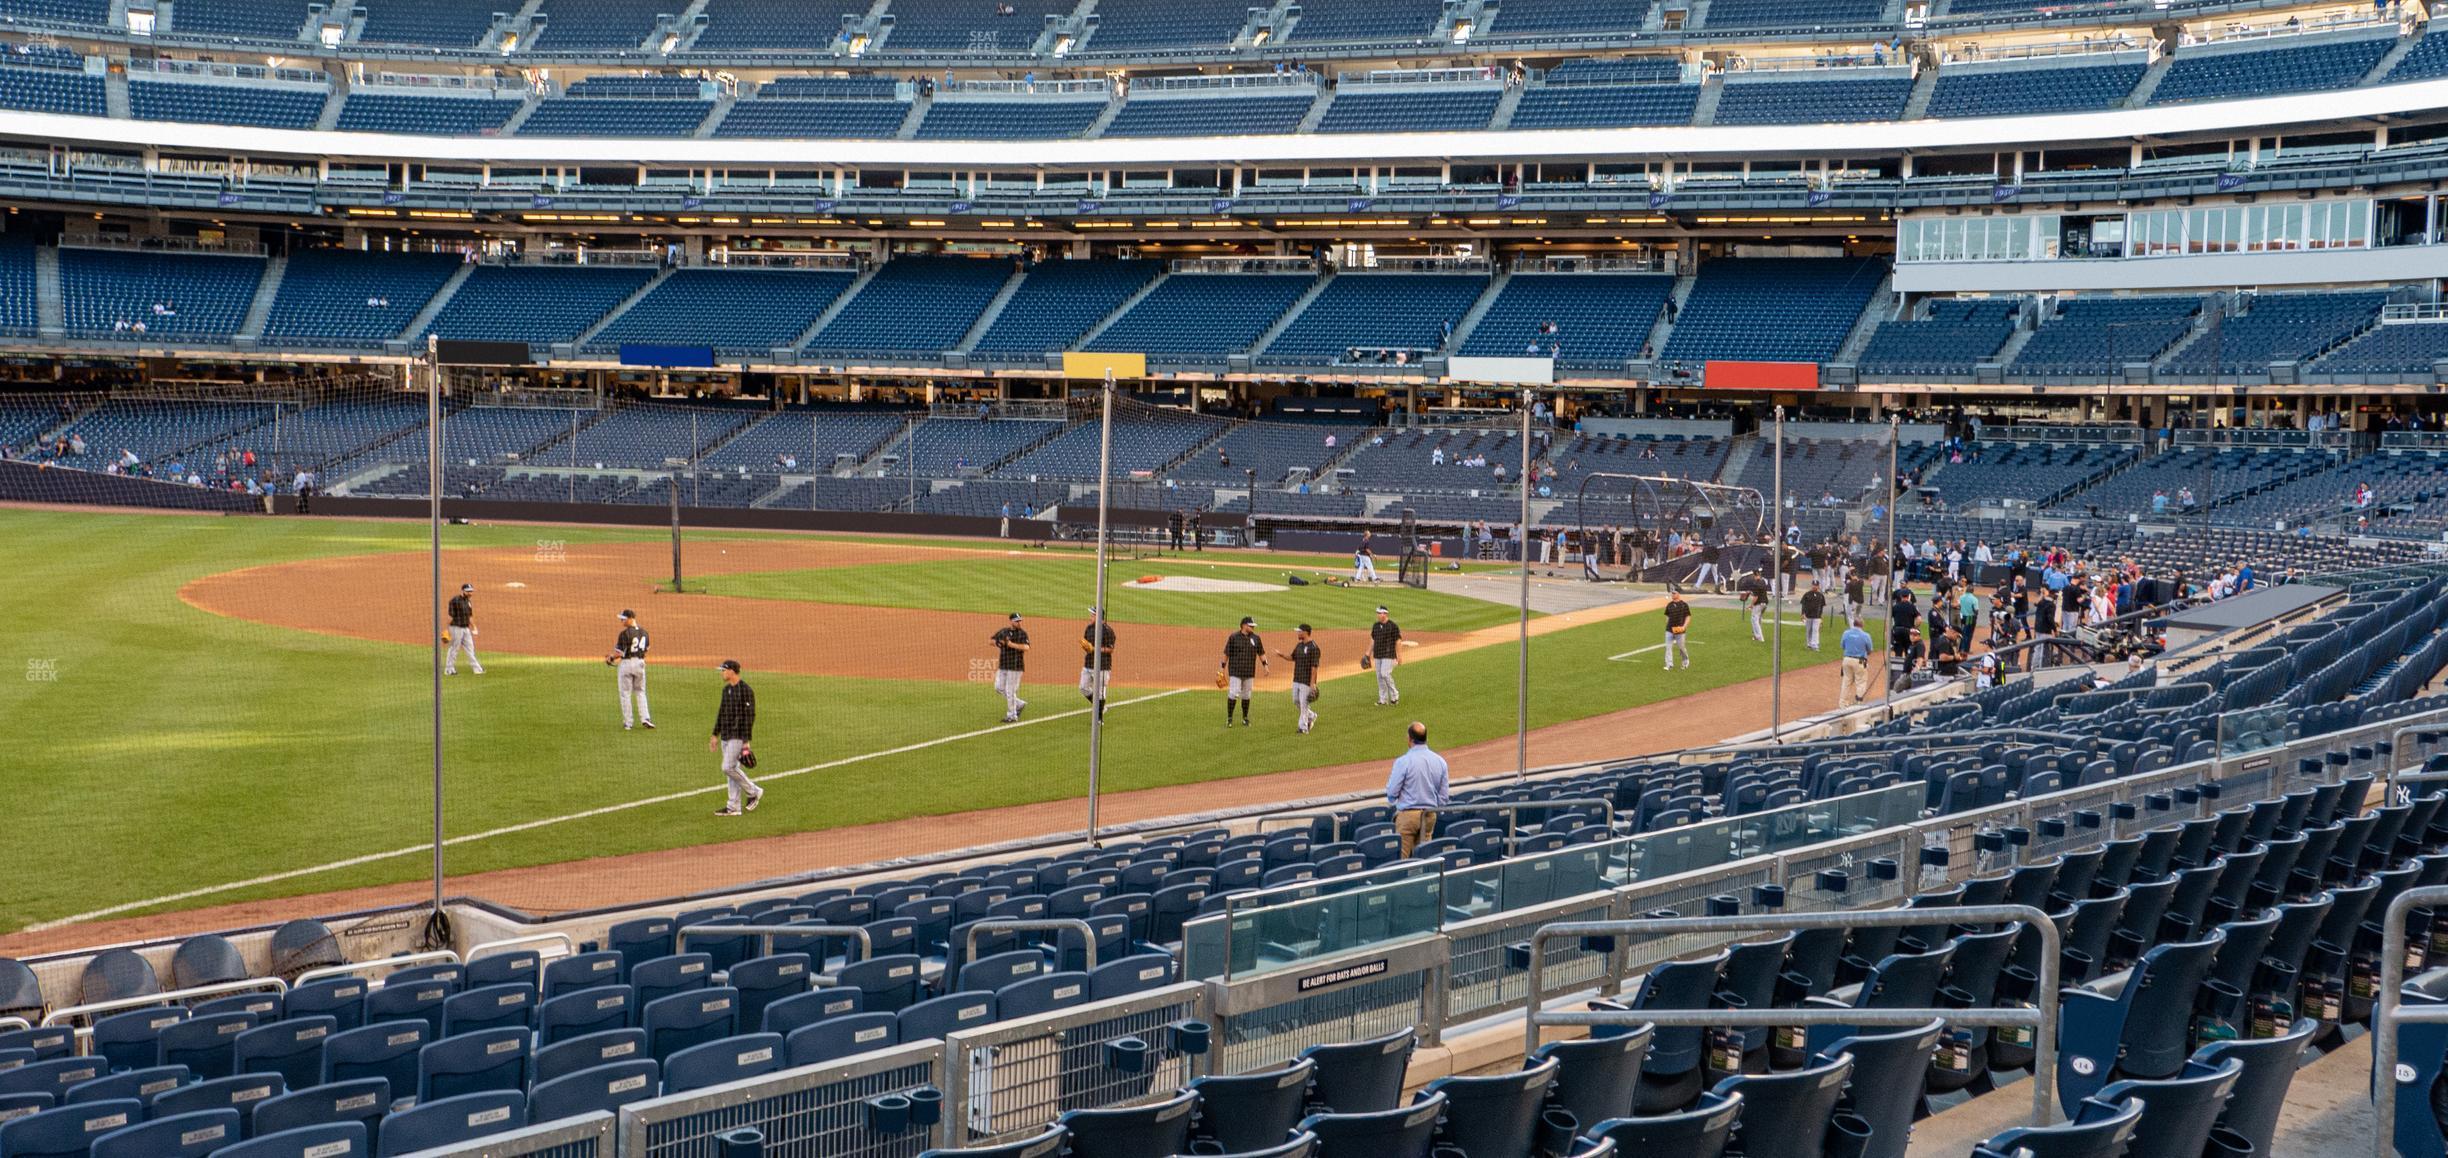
9 1023
2060 700
569 945
2397 744
63 1016
2388 1012
1511 809
2043 1018
766 933
403 961
1086 931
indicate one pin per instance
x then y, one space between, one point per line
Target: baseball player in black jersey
1244 653
1814 609
628 660
1755 603
1096 663
1305 658
462 635
734 739
1385 636
1678 627
1011 658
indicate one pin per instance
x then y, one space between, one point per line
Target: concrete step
1711 91
1128 304
2149 83
50 306
715 115
1506 106
1478 311
834 310
266 289
1285 322
441 298
994 309
917 112
579 343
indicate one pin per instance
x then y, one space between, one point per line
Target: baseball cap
1015 617
1382 611
729 665
1304 627
1246 621
467 587
627 614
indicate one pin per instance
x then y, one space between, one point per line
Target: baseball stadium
1783 579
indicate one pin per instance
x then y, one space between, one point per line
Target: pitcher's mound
1202 586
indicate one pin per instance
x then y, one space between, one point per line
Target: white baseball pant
1007 682
1675 645
736 777
1387 693
461 639
632 682
1301 694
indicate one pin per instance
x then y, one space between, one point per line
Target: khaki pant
1412 826
1852 682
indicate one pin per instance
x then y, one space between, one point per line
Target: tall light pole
1521 679
1895 575
1249 537
1096 626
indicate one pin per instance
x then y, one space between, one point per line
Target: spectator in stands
2159 502
1417 790
76 444
1905 660
2185 499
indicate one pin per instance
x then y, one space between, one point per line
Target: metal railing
569 945
403 961
1086 931
812 1109
165 997
2042 1017
586 1136
2389 1012
766 933
2415 775
1008 1079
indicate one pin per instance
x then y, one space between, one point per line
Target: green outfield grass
158 748
1049 586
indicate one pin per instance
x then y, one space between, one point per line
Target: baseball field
224 710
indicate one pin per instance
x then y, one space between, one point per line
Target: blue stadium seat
130 1039
663 977
52 90
2098 1130
889 983
681 1020
1410 110
1496 1115
449 116
489 1007
260 104
331 1140
1380 1133
2203 74
401 1000
201 1044
939 1016
606 1088
1772 309
340 998
241 1093
839 1037
594 116
143 1085
1699 1132
915 307
1008 120
585 1011
1243 1112
1812 100
588 970
1598 1077
473 1063
1361 1076
808 1008
1132 1132
293 1049
1238 116
1044 1145
2002 92
450 1121
583 1053
1201 317
184 1136
1787 1115
715 1063
67 1132
385 1049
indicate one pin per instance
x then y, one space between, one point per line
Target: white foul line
526 826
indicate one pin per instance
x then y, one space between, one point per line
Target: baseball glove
1367 662
612 660
748 758
1222 680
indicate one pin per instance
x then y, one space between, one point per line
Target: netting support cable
1776 585
1895 431
433 526
1521 677
1096 625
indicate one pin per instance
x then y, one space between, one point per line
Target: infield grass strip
1051 586
156 748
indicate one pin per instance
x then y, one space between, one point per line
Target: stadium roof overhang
2298 112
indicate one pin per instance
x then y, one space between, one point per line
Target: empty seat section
202 297
1272 447
1211 116
250 19
394 112
1008 120
1136 25
2199 75
2427 59
1383 311
18 312
262 104
1952 336
914 307
1521 18
2095 335
621 106
763 25
595 25
2028 91
1059 302
1413 110
1145 441
1777 309
1395 20
1202 317
438 23
2402 348
768 116
968 26
353 298
739 312
1587 106
535 304
52 90
2279 328
1812 100
1792 15
1601 320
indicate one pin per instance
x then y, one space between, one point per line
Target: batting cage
1659 527
352 641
